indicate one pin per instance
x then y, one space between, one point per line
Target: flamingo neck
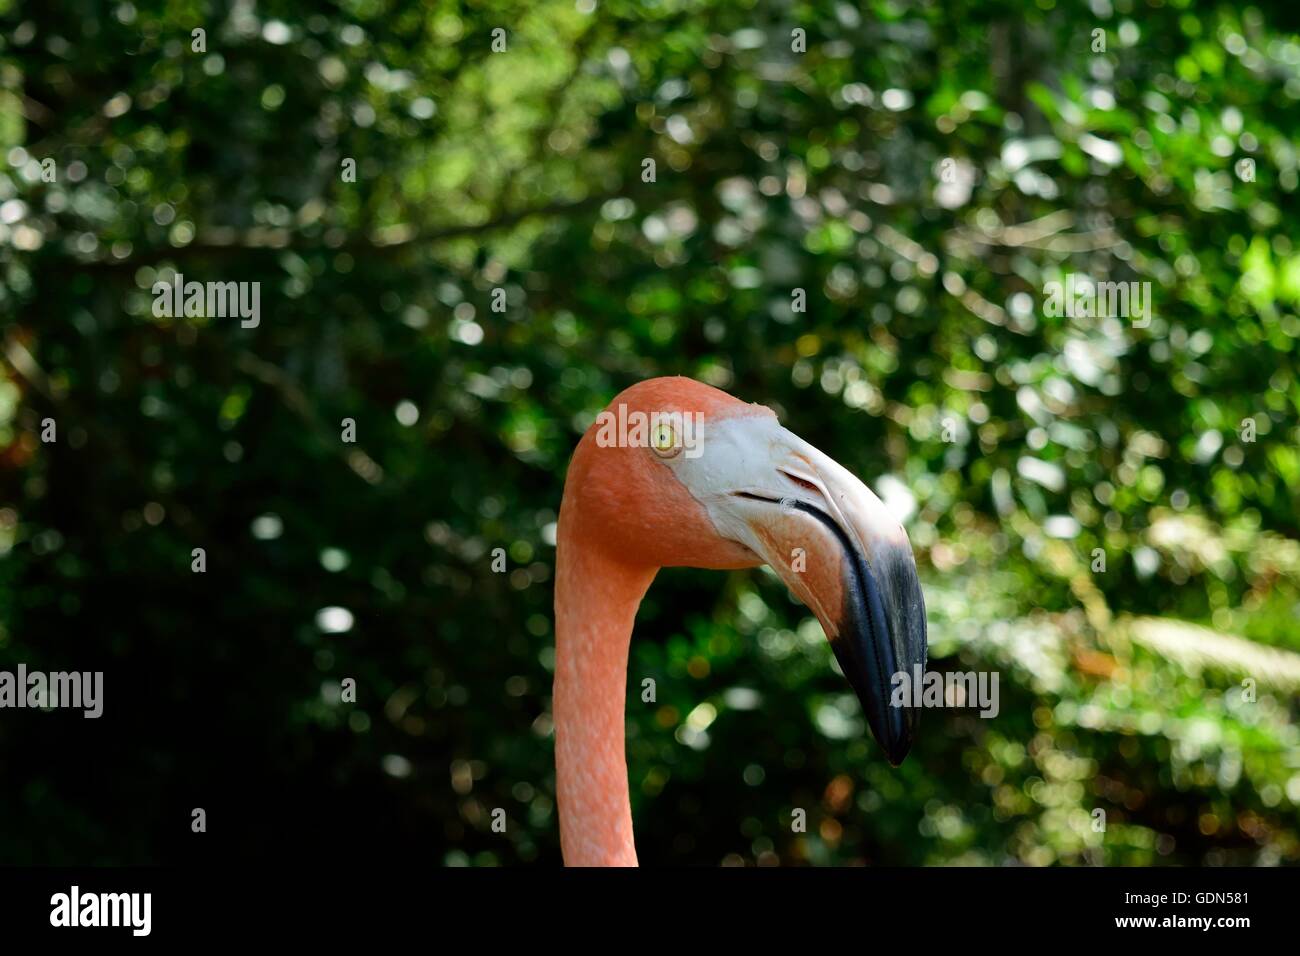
596 599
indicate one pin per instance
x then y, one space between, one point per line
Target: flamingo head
677 473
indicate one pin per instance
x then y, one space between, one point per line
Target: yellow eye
663 439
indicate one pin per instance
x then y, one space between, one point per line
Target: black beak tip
885 627
893 727
881 635
896 750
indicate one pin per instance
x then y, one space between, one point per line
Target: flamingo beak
880 632
848 558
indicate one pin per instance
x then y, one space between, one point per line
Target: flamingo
742 492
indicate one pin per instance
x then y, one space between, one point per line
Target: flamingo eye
663 439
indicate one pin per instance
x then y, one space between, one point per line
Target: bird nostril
801 482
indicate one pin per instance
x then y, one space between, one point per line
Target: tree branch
388 240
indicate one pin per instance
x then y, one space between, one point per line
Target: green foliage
825 171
